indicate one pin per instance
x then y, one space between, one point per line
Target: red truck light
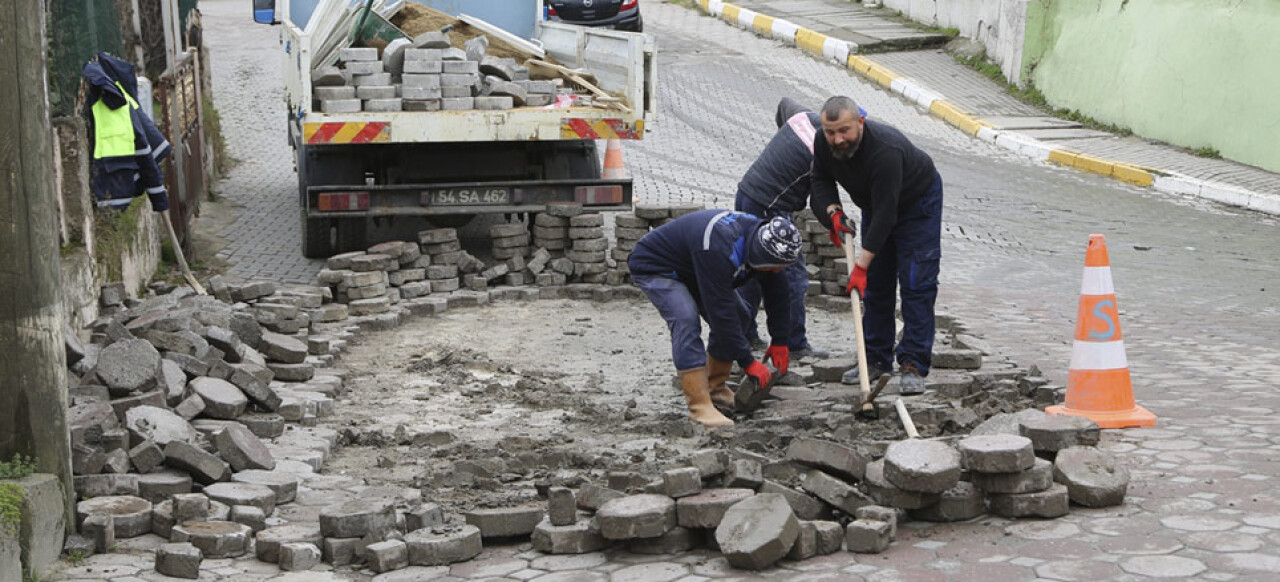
338 201
598 194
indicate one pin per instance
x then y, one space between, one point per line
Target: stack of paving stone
510 241
551 228
828 269
176 390
442 247
427 74
627 231
590 250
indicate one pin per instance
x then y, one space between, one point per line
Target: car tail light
551 10
598 194
629 4
338 201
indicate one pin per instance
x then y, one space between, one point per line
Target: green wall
1195 73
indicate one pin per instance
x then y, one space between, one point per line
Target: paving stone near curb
1054 432
636 516
804 505
830 457
757 532
960 503
357 518
806 544
130 516
298 556
562 507
129 366
159 425
1050 503
505 522
592 497
1038 478
744 473
579 538
864 536
423 516
216 539
267 542
706 509
922 466
443 545
243 450
222 400
101 529
834 491
1094 478
709 462
387 556
675 541
180 560
1001 453
250 516
203 467
233 494
886 493
682 482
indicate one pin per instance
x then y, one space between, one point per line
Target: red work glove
781 357
857 280
840 224
760 372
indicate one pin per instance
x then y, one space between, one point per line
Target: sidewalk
843 31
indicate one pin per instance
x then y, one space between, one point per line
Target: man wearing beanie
689 268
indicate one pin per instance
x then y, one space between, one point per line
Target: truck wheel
316 241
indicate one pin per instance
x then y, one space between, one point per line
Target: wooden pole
33 370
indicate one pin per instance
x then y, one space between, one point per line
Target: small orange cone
613 166
1098 384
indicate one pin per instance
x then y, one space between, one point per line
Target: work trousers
796 275
679 307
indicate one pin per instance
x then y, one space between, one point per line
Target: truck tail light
339 201
628 4
551 10
598 194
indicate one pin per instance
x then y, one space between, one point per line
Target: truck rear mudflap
599 195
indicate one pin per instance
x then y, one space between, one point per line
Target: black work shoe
810 352
851 377
912 382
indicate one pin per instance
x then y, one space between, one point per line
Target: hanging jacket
707 252
127 146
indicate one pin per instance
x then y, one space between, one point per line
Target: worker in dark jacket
689 268
899 192
777 184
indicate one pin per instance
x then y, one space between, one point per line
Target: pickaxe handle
855 300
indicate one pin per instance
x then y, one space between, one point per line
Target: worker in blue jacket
689 268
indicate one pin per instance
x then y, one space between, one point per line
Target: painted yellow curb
859 64
810 40
763 24
1119 170
705 5
954 116
1133 174
729 13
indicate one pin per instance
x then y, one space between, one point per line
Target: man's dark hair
837 105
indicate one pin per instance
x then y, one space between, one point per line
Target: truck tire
316 239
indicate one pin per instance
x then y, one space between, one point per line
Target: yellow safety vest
113 129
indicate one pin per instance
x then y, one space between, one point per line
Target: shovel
868 406
873 413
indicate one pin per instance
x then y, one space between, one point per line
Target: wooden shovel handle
855 300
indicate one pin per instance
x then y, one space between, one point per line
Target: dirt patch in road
480 407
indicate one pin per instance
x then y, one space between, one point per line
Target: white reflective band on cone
1097 281
1098 355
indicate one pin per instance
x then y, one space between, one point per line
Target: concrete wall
1189 72
997 24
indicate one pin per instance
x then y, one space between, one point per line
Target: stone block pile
828 269
427 74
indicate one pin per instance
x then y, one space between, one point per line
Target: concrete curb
845 53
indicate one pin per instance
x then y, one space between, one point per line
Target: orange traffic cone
613 166
1098 384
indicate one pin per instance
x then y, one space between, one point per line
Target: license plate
465 196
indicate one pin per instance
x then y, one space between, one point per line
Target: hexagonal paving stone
1163 566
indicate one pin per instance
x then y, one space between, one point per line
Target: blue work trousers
796 275
909 261
678 305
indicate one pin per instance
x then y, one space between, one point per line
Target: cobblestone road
1198 285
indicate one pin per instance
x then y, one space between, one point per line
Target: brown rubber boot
717 375
698 396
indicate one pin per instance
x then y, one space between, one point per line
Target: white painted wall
997 24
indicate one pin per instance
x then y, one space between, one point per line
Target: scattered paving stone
181 560
216 539
160 485
1001 453
707 509
387 556
222 400
424 515
636 516
832 458
709 462
268 541
592 497
203 467
357 518
282 348
677 540
832 490
1006 423
284 485
562 507
99 527
1038 478
340 551
1093 477
867 537
130 516
959 503
233 494
830 537
250 516
886 493
129 366
579 538
298 556
190 507
443 545
505 522
159 425
243 450
1054 432
757 532
805 506
744 473
683 482
1052 502
147 456
922 466
806 545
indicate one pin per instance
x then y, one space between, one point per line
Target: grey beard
846 154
